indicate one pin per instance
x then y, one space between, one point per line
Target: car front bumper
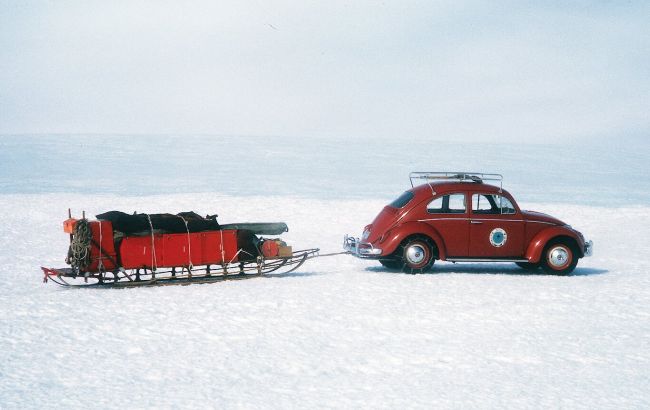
360 249
589 248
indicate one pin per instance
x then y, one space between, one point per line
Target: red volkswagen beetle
457 217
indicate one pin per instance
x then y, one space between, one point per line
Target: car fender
539 241
395 235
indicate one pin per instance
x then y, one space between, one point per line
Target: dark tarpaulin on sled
260 228
169 223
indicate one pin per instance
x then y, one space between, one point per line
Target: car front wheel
559 258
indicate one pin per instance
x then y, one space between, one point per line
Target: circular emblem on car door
498 237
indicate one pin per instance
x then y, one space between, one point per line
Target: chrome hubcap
558 257
415 254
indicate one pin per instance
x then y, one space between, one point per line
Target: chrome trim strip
498 220
484 260
474 219
484 220
443 219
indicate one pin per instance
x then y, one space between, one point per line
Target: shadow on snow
197 281
490 269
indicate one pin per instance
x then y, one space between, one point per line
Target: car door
497 228
448 214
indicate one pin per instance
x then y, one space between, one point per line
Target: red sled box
179 249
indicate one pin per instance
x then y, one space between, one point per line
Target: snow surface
338 333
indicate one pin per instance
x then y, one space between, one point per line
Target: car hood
541 217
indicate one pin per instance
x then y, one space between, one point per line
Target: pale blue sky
497 71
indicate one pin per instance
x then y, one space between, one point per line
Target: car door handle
476 222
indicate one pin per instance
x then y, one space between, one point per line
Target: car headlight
365 234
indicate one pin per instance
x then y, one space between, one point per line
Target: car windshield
402 200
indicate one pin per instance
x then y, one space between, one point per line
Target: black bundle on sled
164 223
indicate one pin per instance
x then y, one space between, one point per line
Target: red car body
457 217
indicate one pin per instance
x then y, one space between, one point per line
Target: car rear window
403 199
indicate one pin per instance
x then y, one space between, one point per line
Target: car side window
481 204
435 206
448 204
491 204
504 203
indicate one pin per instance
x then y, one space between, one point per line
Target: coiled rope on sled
80 245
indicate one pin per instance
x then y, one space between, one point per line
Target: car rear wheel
417 255
528 265
559 258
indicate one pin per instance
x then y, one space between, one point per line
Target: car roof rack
474 177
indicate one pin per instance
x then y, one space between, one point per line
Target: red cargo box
102 234
179 247
211 249
206 248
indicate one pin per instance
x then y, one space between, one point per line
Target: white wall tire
559 258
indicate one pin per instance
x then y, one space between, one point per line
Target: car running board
485 260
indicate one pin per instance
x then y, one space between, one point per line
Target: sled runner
122 250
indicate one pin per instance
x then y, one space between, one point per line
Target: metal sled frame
181 275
